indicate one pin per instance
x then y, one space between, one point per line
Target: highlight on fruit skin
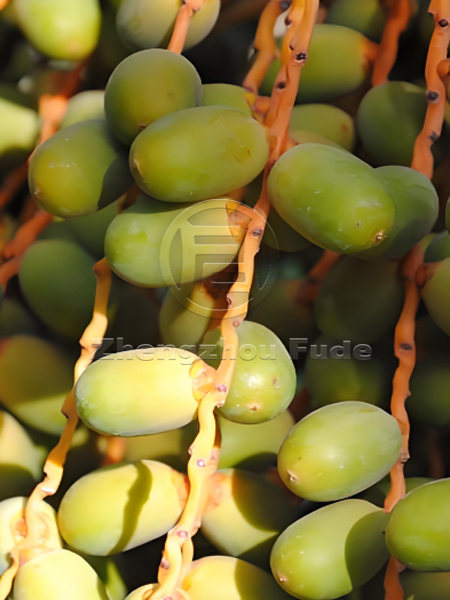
57 575
264 380
352 444
146 86
120 507
418 528
345 540
138 392
12 527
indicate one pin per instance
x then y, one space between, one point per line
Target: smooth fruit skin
280 312
199 153
264 379
366 17
425 586
252 447
61 29
15 319
429 403
328 121
12 512
58 575
331 198
225 94
435 293
169 447
84 106
35 378
246 515
62 298
20 460
90 230
146 86
416 210
338 451
155 244
20 126
359 301
79 170
138 392
328 74
142 24
120 507
439 247
389 119
330 380
419 530
109 572
331 551
231 579
185 315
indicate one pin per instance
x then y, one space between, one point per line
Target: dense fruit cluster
256 267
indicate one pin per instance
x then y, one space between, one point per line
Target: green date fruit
359 301
367 17
331 380
418 529
109 571
246 515
20 460
185 315
416 210
225 94
62 298
120 507
198 153
61 29
347 212
252 447
390 117
58 575
142 24
146 86
12 531
15 319
264 380
79 170
330 73
338 451
35 378
138 392
332 551
429 402
84 106
155 244
232 579
425 586
169 447
328 121
90 230
439 247
20 126
435 294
